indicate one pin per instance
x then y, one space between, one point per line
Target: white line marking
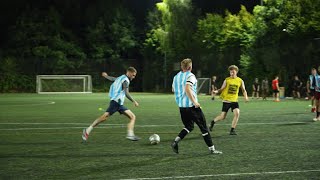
109 126
34 104
232 174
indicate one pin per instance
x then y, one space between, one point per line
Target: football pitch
41 139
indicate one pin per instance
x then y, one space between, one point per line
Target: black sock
182 134
207 138
318 113
232 129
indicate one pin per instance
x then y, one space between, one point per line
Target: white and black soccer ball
154 139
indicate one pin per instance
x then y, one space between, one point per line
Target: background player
118 91
229 94
184 87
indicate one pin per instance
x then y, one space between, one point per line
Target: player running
184 87
317 95
311 86
229 94
119 89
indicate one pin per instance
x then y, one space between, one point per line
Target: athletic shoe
85 135
313 109
215 152
316 119
233 133
133 138
175 147
211 125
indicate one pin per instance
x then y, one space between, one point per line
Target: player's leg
200 120
236 115
187 120
87 131
222 116
130 126
257 94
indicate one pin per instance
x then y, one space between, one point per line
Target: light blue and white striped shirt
178 85
116 91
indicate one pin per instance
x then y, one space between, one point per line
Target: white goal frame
201 84
86 88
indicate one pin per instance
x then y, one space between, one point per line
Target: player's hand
196 105
215 91
104 74
136 104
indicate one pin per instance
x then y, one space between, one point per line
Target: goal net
59 84
204 86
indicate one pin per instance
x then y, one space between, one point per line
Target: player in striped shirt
184 87
118 91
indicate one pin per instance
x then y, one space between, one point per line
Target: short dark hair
132 69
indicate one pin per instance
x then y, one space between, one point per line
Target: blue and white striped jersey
116 91
178 85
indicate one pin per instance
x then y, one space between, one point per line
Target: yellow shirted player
229 95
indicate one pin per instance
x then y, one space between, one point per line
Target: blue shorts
114 107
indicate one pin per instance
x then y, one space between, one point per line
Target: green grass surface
41 140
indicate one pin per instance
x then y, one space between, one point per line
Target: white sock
89 129
130 133
177 139
212 148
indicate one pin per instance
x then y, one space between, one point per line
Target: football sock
89 129
232 129
177 139
207 138
183 133
130 133
211 148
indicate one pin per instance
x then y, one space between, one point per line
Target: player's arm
190 82
110 78
224 85
125 87
278 88
308 86
244 91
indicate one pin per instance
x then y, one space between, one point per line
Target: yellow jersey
230 92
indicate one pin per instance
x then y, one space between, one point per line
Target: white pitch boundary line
34 104
107 126
232 174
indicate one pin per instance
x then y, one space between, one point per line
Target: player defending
229 94
118 91
184 87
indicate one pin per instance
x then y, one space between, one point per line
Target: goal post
204 86
63 84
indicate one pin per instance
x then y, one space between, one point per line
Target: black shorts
312 92
192 115
275 91
226 106
114 107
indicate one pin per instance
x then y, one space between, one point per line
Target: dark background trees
87 37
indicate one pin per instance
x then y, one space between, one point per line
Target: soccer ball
154 139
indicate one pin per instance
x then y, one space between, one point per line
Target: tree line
77 37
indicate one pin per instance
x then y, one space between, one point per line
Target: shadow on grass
295 124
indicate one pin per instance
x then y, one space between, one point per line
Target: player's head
214 78
276 77
186 64
131 73
233 69
313 71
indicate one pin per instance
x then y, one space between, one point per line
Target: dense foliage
76 37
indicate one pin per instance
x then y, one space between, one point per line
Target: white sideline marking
34 104
232 174
110 125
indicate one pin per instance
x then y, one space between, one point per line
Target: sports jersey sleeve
191 80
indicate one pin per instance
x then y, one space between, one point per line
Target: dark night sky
10 10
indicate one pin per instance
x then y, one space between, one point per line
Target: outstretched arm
244 91
110 78
222 87
125 87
